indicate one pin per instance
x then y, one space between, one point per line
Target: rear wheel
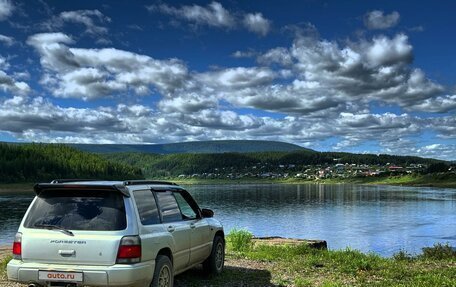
163 274
215 262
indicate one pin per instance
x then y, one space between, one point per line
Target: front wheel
215 262
163 274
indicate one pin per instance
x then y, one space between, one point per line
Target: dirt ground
237 272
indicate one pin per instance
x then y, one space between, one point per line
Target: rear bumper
135 275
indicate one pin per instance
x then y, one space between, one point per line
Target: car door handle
171 228
67 253
192 225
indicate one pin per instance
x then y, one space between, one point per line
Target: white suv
113 233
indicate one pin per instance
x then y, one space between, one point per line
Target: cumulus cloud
95 73
278 55
315 89
215 15
6 9
212 15
378 20
364 71
435 150
11 83
255 22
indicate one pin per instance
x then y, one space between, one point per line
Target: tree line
44 162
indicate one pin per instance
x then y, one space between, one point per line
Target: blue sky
356 76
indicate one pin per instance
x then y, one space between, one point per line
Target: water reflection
383 219
12 209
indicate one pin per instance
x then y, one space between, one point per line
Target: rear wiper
55 227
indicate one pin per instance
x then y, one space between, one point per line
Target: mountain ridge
217 146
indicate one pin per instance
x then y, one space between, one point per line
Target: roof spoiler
39 187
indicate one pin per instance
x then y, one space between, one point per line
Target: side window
147 207
186 209
168 205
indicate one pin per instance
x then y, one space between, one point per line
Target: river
382 219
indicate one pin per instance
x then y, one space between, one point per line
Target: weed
403 255
240 240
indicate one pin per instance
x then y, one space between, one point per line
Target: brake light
17 246
129 250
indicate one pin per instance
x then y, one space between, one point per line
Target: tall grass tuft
240 240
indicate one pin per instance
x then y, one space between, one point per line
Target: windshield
78 210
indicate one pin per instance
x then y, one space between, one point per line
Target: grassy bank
299 265
250 264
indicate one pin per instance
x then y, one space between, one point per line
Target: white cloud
408 147
377 20
215 15
278 55
87 18
93 21
95 73
244 54
212 15
11 83
240 77
255 22
6 40
6 9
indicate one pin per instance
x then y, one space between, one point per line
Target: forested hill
44 162
154 165
222 146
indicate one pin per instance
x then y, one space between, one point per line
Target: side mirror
207 213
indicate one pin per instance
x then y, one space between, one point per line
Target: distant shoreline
406 180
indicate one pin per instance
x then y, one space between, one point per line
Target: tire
163 274
215 262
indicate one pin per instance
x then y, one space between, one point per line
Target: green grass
3 263
302 266
239 240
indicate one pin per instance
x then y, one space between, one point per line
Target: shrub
240 240
439 251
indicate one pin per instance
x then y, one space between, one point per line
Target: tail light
129 250
17 246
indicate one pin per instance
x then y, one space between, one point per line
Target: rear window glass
147 208
78 210
169 208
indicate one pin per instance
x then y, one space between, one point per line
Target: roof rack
137 182
66 180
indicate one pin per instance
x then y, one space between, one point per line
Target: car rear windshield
78 210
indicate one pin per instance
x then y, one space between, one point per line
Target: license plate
60 276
